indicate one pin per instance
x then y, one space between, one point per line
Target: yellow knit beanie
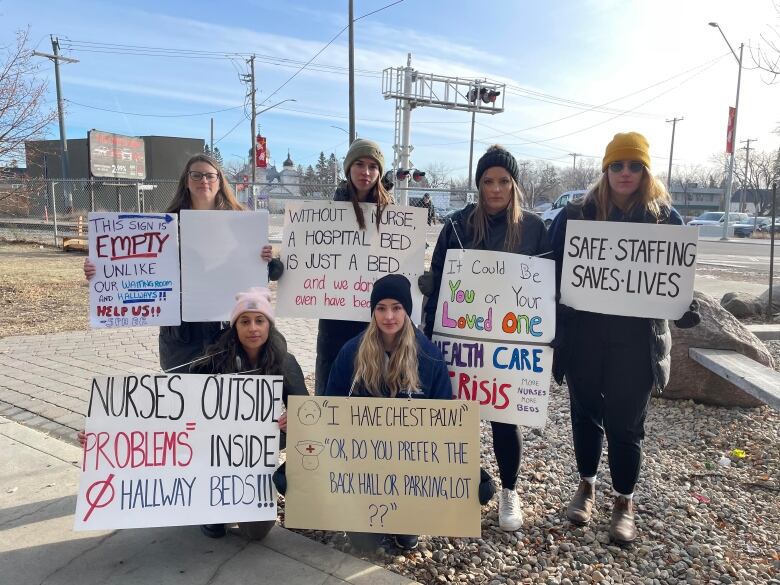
627 146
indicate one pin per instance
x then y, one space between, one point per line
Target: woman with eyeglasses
495 222
201 186
612 363
363 166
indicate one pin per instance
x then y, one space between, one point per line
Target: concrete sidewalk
38 546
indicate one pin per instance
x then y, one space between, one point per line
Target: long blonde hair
478 221
182 199
376 373
652 196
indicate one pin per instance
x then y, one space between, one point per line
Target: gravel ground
700 520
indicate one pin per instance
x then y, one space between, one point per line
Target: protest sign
510 382
383 465
136 256
631 269
169 450
496 295
220 257
330 264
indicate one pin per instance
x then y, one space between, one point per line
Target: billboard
116 156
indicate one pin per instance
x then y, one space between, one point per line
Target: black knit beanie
392 286
497 156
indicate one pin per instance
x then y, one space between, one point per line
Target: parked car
766 229
745 230
716 218
549 215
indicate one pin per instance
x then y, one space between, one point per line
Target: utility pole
471 147
574 163
56 57
744 187
352 130
253 162
671 154
212 137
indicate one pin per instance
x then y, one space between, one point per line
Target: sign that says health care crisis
171 450
509 381
137 279
496 296
631 269
386 465
330 264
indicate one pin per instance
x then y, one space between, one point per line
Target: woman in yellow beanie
363 167
611 362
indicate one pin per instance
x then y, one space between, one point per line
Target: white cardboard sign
172 450
496 295
137 261
511 382
330 264
631 269
220 257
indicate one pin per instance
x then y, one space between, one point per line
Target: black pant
610 378
508 447
331 337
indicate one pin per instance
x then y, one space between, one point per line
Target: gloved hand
691 317
425 283
563 314
487 488
280 478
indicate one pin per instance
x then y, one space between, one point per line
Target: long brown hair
376 373
478 221
229 357
378 193
182 199
652 196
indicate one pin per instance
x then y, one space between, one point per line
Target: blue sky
634 54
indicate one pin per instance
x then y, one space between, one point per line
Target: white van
559 204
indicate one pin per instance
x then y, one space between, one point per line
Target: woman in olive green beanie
364 166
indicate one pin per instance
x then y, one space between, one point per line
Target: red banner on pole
261 157
730 131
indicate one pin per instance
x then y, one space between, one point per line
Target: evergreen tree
217 156
323 171
335 171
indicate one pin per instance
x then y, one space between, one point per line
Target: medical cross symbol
310 449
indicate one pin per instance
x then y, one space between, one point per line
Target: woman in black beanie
496 222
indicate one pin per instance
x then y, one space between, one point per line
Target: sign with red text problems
173 450
137 280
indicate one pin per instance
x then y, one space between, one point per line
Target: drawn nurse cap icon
309 412
310 451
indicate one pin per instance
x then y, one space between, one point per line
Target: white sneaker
510 516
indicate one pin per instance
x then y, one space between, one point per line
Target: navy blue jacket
434 377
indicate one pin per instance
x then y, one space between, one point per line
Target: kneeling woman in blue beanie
392 358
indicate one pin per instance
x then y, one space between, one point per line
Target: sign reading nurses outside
116 156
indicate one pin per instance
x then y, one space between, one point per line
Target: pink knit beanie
256 300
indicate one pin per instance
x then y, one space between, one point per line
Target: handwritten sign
510 382
496 295
331 264
170 450
137 261
383 465
632 269
220 257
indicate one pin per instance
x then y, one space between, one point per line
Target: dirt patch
42 290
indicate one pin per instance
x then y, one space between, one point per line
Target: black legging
508 447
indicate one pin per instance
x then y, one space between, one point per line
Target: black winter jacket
456 234
658 329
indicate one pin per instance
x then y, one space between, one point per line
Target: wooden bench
746 374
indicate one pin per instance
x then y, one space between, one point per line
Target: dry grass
42 290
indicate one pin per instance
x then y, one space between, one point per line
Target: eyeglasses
634 166
196 176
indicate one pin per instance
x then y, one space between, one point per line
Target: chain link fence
49 211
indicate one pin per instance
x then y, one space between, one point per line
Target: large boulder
742 304
763 298
718 330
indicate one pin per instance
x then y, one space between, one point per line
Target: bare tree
766 53
24 115
539 181
437 175
582 176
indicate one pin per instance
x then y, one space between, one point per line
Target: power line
125 113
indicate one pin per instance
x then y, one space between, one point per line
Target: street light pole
730 181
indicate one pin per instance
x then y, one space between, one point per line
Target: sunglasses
196 176
634 166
